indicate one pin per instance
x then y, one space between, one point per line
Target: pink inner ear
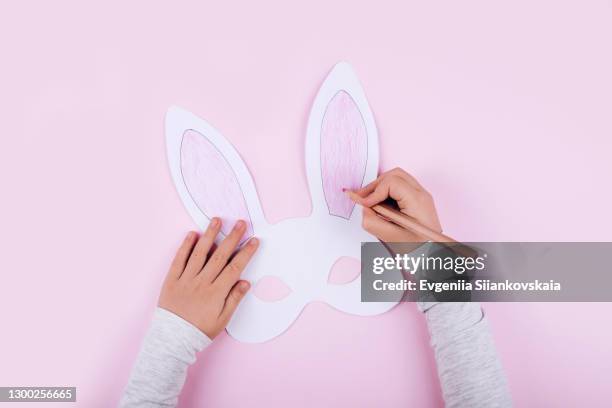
211 182
344 145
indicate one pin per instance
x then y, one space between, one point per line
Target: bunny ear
211 178
341 142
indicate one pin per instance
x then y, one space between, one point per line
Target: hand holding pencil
414 220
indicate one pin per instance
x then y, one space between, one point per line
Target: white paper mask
341 152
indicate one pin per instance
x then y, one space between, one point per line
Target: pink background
502 111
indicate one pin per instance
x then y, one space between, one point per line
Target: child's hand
411 198
203 285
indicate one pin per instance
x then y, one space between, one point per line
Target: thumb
233 299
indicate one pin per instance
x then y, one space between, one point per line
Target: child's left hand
203 285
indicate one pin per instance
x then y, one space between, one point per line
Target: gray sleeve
469 369
169 348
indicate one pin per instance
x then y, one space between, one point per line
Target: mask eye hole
344 270
271 289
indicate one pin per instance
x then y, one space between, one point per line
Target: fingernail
191 235
244 286
253 242
214 222
239 225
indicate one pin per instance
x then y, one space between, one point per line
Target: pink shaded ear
344 144
211 182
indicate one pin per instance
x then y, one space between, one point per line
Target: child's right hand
411 198
203 285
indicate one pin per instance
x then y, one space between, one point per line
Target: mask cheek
256 320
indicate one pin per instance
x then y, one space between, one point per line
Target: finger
233 299
366 190
231 273
220 256
385 230
202 248
182 255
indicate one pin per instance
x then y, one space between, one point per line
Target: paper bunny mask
341 152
